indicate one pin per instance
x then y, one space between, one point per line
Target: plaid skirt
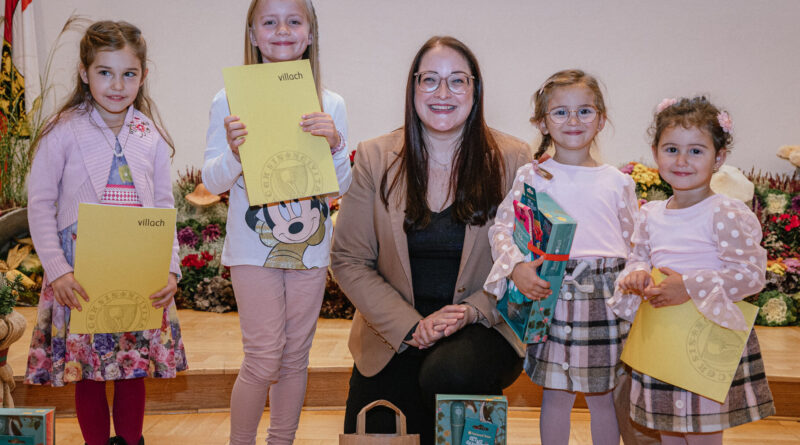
661 406
585 339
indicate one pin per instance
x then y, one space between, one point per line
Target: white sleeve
738 235
505 252
221 169
341 160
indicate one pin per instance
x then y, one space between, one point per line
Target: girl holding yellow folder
102 147
278 253
709 248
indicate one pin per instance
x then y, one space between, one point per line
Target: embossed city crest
139 127
117 311
713 351
290 173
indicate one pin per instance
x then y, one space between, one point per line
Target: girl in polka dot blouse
585 338
708 246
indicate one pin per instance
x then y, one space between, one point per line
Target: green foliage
9 291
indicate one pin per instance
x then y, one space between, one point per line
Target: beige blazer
369 256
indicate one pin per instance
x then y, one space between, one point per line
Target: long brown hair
252 55
563 78
107 35
477 176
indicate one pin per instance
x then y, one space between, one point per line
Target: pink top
71 166
715 244
602 200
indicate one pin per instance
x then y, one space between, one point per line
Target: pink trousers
278 311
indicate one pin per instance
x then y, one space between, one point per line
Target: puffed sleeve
737 233
625 305
221 169
505 252
628 209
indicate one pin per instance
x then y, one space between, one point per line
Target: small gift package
471 420
35 426
541 228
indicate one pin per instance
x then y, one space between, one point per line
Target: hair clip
725 121
666 103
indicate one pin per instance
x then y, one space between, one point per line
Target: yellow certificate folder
281 162
122 257
679 346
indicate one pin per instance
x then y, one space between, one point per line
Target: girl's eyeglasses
429 81
585 114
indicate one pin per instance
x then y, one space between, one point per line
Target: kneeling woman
411 248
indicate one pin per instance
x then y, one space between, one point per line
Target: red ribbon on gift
547 256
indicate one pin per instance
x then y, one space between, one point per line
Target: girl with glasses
585 338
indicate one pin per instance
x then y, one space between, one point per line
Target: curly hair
696 112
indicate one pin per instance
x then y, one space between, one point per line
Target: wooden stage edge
214 353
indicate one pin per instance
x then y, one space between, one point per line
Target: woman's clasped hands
442 323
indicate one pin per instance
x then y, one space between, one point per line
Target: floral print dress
57 357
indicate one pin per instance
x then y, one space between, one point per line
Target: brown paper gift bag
362 438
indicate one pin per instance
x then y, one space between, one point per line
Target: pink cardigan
72 164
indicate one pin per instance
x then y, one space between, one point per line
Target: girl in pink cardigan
103 146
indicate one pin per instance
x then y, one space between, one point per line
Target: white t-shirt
294 235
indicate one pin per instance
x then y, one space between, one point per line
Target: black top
435 256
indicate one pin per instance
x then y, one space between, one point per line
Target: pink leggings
91 406
278 311
554 422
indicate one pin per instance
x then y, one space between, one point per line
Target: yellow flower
777 268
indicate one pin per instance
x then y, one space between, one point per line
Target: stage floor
213 345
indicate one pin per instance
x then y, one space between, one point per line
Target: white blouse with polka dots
602 200
716 246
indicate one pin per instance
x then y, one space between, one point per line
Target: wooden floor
322 427
213 345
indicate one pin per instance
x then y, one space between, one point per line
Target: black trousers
475 360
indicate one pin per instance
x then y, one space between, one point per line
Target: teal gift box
17 440
471 419
34 426
541 228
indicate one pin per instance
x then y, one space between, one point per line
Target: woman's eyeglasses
429 81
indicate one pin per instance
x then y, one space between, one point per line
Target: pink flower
628 169
666 103
725 121
792 265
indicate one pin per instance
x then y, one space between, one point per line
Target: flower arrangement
649 185
205 284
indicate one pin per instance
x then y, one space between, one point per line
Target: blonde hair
107 35
563 78
252 55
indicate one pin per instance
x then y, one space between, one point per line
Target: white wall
743 53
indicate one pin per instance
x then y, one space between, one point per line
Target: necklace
119 154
